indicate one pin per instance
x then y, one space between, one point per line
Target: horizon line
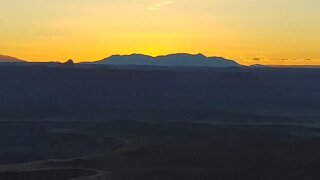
161 55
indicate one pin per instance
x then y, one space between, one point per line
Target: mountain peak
178 59
183 55
69 62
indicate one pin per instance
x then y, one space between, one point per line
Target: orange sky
249 31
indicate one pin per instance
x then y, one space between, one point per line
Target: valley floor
214 147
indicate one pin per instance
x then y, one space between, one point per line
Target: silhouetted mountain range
172 60
181 59
8 59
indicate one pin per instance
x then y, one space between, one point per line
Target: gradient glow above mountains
248 31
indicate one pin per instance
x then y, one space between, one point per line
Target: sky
277 32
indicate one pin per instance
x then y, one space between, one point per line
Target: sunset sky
249 31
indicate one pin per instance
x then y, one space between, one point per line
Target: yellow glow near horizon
279 32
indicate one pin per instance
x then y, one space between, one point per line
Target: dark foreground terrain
265 148
152 124
53 174
33 141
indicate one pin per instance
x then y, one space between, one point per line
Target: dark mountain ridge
9 59
181 59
